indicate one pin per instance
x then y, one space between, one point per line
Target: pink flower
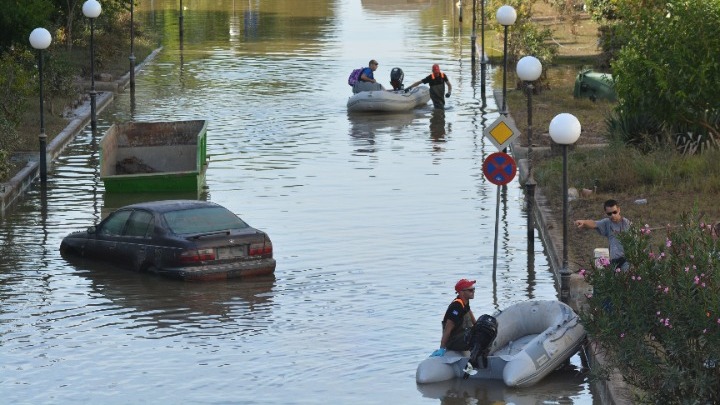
622 335
668 243
582 272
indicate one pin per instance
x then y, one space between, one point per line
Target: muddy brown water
373 219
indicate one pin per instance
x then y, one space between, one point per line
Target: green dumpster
594 85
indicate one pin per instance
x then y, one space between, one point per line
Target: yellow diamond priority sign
501 132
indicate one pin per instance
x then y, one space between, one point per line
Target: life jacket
442 75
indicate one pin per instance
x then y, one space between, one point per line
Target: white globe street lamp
506 16
40 39
528 70
565 130
91 9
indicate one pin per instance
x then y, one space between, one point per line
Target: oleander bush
659 322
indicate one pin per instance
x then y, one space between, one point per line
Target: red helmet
436 68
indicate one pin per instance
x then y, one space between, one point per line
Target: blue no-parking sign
499 168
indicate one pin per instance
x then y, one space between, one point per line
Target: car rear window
202 220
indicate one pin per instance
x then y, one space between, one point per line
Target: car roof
172 205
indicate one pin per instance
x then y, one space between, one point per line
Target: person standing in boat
437 81
458 319
609 227
367 80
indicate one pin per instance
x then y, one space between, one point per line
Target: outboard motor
396 78
479 339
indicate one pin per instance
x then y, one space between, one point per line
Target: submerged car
185 239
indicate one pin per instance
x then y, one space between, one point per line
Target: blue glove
447 95
438 353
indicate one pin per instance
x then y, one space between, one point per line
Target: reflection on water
437 125
365 127
373 219
394 6
177 304
557 388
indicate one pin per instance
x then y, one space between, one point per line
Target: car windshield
202 220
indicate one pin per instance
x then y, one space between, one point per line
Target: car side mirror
91 230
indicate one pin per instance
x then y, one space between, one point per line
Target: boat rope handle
575 323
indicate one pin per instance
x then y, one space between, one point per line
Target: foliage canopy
666 71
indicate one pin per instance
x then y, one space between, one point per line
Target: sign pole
497 231
499 168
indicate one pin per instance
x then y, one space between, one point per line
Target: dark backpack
355 76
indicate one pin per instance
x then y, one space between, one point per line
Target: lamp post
483 59
565 130
132 48
528 70
40 39
91 9
181 21
473 36
506 17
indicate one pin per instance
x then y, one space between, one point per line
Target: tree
19 18
524 37
666 74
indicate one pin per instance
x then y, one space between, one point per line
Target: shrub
659 322
665 75
16 70
8 139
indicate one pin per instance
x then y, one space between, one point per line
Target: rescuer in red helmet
437 81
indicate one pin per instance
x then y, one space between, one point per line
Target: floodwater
373 219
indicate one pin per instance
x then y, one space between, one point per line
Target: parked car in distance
185 239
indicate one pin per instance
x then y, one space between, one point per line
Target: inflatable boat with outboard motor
533 339
395 100
389 100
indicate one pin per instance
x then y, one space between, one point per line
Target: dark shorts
458 342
